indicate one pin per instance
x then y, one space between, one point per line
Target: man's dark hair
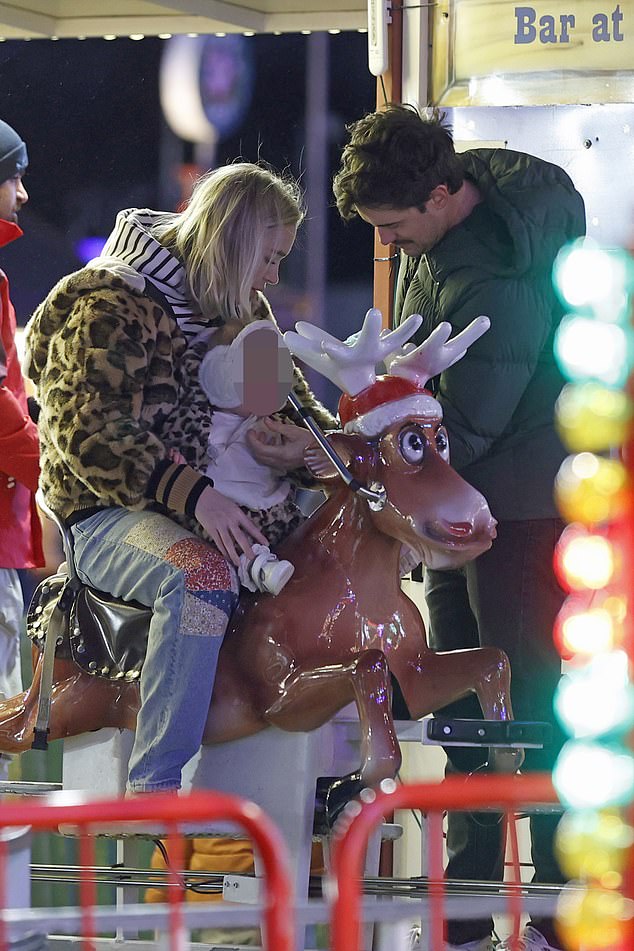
395 158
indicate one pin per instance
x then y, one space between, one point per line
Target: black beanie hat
13 157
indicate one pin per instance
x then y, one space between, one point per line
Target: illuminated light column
594 774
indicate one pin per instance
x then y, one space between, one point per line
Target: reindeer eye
412 445
442 443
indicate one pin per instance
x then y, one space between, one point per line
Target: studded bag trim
105 636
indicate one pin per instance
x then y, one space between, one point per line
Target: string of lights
594 774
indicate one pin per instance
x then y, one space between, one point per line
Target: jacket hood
529 210
53 312
9 231
108 275
132 243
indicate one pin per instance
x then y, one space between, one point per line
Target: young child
246 375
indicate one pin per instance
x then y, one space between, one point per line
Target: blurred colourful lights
594 702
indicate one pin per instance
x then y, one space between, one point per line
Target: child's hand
280 445
177 457
265 434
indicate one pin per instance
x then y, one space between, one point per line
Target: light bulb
596 699
584 559
592 843
594 917
592 417
590 489
591 775
594 279
587 349
586 633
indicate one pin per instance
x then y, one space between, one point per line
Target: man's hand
229 528
282 446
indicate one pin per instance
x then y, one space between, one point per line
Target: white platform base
16 842
275 769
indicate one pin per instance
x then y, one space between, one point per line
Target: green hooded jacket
498 401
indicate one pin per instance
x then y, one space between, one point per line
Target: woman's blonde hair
221 235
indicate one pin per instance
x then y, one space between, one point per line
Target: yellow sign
496 52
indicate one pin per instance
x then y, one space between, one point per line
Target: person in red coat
20 531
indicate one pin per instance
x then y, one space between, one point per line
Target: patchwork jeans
11 625
147 557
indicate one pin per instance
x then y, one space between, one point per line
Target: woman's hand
229 528
177 457
282 447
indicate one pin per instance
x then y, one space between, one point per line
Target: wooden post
388 89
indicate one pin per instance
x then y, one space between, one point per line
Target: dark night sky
90 114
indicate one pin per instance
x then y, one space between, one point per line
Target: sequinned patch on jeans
211 587
204 618
156 534
204 569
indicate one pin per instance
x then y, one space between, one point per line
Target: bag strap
59 623
57 626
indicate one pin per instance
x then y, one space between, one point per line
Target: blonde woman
107 351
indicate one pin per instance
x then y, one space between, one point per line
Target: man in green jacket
478 234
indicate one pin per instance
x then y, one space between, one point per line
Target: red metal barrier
505 794
170 812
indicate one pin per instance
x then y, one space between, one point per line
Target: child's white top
234 470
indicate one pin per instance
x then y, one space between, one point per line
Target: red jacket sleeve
19 448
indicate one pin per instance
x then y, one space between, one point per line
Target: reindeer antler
370 405
351 367
437 353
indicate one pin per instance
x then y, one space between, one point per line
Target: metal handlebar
374 494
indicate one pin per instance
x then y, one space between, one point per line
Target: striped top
132 243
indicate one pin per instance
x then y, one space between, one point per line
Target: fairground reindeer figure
342 623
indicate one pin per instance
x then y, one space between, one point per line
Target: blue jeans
11 625
147 557
508 598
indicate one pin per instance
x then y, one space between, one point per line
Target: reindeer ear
318 463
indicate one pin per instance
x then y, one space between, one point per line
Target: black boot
332 795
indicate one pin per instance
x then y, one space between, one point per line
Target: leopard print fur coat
107 361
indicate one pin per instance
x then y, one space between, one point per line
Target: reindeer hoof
332 795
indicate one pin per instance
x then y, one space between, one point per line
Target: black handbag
104 635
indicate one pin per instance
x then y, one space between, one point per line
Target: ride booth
556 80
